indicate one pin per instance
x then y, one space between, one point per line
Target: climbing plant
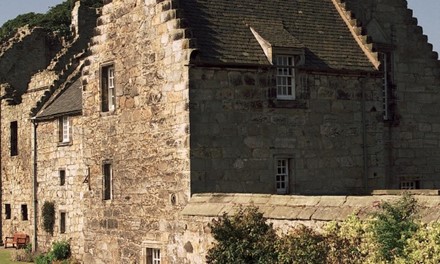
48 215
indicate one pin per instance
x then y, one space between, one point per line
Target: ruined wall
145 138
415 131
17 171
237 132
69 198
39 47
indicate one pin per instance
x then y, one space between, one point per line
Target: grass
5 257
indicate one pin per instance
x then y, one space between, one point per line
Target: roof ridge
356 31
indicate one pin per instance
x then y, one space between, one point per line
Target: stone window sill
108 113
293 104
64 144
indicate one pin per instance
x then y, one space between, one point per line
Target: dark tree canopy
57 19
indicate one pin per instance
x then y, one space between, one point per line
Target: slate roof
221 30
68 102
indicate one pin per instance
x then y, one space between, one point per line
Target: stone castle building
158 114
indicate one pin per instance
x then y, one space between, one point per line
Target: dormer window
285 77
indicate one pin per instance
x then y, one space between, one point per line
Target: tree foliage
391 235
243 238
57 19
393 225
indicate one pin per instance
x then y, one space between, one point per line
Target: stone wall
17 171
37 42
69 198
413 136
237 132
145 138
284 212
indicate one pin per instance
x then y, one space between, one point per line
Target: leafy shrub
423 246
43 259
243 238
346 241
392 226
28 248
48 214
302 245
61 250
391 235
59 253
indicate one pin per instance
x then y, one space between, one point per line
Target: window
62 174
108 89
7 211
24 212
153 256
107 181
282 176
410 185
14 138
285 77
62 222
387 91
65 129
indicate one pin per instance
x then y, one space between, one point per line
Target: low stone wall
287 211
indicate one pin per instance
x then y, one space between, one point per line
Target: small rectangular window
282 176
62 222
108 92
410 185
107 181
65 129
62 177
14 138
7 211
24 212
153 256
285 77
386 65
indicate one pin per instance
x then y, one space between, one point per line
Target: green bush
61 250
48 214
392 226
44 259
302 245
243 238
347 241
391 235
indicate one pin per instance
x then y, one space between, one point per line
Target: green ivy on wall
48 214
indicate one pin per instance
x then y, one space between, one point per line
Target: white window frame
282 175
285 77
65 129
111 88
108 88
153 256
408 185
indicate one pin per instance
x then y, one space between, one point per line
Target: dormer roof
67 102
